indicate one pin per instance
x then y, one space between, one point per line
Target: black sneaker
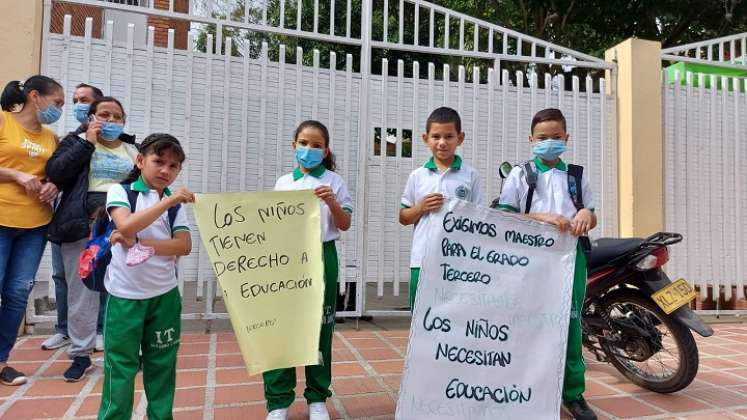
12 377
77 371
580 410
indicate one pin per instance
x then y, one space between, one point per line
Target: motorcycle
636 318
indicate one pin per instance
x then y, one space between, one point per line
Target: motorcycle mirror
505 169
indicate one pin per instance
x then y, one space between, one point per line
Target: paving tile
54 387
229 360
194 338
186 378
719 363
720 378
188 415
718 397
368 343
347 369
352 386
597 389
194 348
226 336
392 366
90 406
393 381
191 397
358 334
719 350
234 376
712 416
225 347
32 343
233 413
30 355
239 393
369 405
38 408
624 407
674 403
344 355
57 368
192 362
379 354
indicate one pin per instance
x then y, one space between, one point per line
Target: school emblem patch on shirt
462 192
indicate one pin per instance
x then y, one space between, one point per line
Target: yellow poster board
265 249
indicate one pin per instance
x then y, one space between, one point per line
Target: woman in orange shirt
25 199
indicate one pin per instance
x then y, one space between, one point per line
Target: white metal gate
704 133
236 113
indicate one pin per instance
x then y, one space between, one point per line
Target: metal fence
236 108
703 152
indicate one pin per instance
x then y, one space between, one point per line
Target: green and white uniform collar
542 166
455 164
316 172
141 186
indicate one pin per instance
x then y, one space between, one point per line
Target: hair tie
21 83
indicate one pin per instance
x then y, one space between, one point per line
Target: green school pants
575 369
414 277
280 384
131 324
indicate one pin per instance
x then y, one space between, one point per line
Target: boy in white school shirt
561 196
444 175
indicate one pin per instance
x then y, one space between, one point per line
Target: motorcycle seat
605 249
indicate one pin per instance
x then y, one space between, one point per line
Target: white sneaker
279 414
55 342
99 342
318 411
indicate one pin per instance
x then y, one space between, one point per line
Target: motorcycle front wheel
664 362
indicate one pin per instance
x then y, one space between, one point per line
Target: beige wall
21 21
639 118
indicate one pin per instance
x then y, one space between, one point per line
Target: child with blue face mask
561 196
316 165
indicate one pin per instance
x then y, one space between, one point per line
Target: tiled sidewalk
212 382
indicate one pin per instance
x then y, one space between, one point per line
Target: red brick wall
162 24
79 14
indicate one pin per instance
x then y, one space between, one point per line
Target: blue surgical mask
80 111
111 131
309 157
50 115
550 149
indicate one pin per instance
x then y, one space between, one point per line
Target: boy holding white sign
546 189
445 174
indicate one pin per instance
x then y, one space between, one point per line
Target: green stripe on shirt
118 204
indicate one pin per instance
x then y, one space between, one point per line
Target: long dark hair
158 144
16 92
329 161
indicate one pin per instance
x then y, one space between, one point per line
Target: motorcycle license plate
674 296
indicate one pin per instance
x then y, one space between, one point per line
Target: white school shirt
459 181
297 180
157 275
551 194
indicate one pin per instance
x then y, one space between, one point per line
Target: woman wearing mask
25 199
85 165
83 96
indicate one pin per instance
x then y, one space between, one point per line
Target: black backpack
98 250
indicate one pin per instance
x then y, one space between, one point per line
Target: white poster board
489 332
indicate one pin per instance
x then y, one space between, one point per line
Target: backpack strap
132 198
575 172
530 174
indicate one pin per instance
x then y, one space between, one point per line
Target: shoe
279 414
78 369
55 342
318 411
99 343
12 377
580 410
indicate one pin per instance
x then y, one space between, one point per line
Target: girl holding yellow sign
316 165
